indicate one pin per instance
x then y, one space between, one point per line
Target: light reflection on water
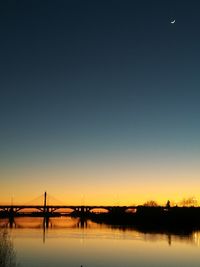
70 242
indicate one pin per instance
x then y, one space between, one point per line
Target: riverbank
175 218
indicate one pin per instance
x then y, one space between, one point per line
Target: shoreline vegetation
7 251
174 219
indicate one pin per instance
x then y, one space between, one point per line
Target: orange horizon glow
105 182
98 200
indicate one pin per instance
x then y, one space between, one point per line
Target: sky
99 100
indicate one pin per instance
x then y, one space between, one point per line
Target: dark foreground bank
150 218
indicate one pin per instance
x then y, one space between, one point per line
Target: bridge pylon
46 210
45 201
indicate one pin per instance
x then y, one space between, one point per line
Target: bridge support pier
11 212
46 208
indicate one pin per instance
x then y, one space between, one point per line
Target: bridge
46 210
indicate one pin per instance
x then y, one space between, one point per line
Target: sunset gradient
99 101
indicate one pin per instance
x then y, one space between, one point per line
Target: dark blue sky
98 77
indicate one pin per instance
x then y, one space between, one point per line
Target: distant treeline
185 202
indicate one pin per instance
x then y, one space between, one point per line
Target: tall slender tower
45 201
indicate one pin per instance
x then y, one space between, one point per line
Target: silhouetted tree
189 202
150 203
7 253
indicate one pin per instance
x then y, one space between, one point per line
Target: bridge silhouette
47 210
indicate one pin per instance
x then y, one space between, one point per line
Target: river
69 242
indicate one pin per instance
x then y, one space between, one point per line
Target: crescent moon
172 22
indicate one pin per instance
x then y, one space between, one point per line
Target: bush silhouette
7 252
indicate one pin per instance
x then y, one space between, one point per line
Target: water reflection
72 242
46 224
40 222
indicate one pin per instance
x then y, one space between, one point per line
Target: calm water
68 242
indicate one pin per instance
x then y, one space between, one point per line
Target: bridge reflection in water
68 224
45 223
